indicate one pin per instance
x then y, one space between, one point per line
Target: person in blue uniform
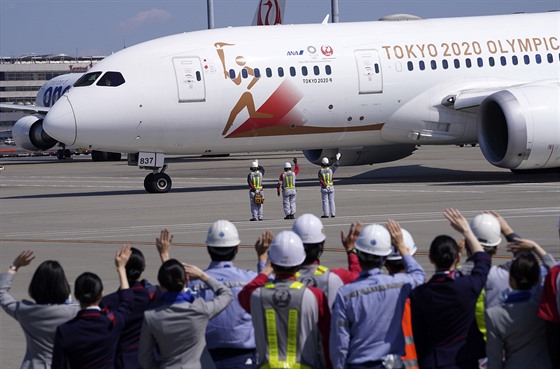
90 339
146 296
230 336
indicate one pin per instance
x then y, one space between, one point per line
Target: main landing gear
157 181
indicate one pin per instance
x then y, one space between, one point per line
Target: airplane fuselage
310 86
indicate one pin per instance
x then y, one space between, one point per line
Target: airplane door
370 80
190 79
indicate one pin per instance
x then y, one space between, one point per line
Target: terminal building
22 77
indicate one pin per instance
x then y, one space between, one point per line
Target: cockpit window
112 79
87 79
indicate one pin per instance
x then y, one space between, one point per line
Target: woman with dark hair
51 291
146 296
177 327
516 337
90 339
443 309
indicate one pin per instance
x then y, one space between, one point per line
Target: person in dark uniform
146 296
90 339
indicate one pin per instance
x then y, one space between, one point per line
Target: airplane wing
24 108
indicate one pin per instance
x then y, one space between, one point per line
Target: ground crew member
291 320
229 336
327 186
394 264
357 340
287 182
254 180
310 229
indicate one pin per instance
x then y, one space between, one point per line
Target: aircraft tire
149 183
161 183
60 154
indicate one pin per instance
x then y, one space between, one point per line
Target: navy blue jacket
146 296
90 339
443 318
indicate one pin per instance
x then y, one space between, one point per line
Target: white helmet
409 243
374 239
255 164
325 161
309 228
287 165
286 249
222 233
487 229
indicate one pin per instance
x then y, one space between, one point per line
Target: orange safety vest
410 358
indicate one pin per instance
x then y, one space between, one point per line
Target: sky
101 27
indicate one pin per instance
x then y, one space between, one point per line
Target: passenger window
87 79
292 71
198 76
268 72
457 63
375 67
514 60
445 64
231 74
257 72
410 66
316 70
491 61
304 70
434 64
328 70
526 59
244 73
503 60
280 72
112 79
421 65
538 58
480 62
468 62
550 58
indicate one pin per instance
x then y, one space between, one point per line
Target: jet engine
518 128
361 155
28 133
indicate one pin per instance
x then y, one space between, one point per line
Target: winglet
326 20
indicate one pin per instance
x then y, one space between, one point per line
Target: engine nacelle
361 155
519 128
28 133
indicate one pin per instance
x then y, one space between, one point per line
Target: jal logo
327 50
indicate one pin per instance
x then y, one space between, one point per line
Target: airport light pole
334 11
210 10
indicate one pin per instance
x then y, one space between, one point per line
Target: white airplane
370 90
27 131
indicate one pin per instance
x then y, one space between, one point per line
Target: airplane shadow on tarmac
398 174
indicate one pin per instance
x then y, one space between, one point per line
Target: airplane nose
60 122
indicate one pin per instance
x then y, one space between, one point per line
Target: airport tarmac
80 212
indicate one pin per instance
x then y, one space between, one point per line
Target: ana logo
300 52
327 50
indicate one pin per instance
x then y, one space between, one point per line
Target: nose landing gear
157 181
